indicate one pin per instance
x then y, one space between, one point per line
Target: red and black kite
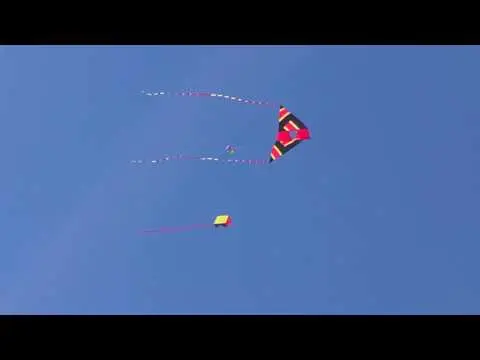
291 132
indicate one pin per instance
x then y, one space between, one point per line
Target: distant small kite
222 220
230 149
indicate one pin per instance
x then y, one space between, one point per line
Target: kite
291 130
230 150
223 220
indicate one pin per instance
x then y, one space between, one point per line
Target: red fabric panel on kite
303 134
283 137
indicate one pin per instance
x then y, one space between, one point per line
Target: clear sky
378 213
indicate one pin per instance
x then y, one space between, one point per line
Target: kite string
213 95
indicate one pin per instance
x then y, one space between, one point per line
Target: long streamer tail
176 229
201 158
215 95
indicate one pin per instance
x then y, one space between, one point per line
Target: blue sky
377 214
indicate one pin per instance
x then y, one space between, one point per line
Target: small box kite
222 220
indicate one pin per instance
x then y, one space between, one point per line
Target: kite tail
202 158
237 99
176 229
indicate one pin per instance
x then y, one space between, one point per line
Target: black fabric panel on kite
291 132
